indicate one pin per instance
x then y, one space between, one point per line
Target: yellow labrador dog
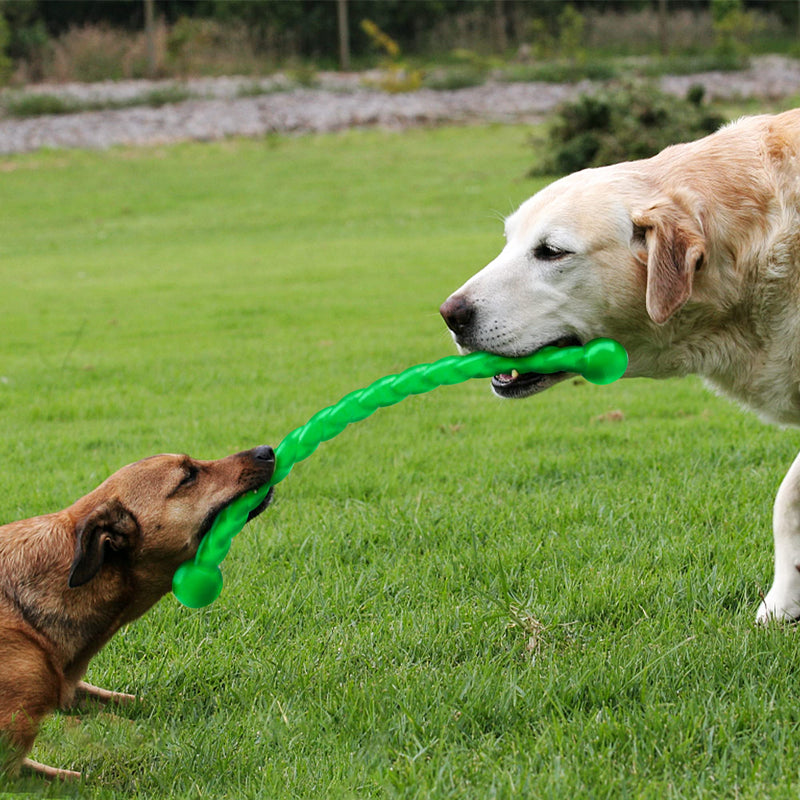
690 259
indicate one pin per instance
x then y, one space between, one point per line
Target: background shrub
623 123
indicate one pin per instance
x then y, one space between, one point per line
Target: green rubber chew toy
198 583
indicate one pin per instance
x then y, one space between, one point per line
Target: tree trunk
500 38
150 35
344 35
663 27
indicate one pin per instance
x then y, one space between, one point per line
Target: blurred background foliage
60 40
621 122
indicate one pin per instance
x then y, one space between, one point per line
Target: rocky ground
223 107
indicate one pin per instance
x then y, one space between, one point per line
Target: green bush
36 105
166 96
733 27
558 71
396 76
623 123
455 78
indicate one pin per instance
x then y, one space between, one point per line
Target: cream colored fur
691 259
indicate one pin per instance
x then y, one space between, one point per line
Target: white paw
778 606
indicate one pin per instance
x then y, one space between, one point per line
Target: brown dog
70 580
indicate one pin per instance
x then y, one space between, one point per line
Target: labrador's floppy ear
108 525
676 249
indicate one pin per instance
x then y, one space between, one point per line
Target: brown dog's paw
86 694
51 773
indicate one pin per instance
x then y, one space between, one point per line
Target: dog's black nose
263 453
457 313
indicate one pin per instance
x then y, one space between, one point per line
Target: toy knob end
197 585
604 361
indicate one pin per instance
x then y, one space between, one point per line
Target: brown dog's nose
263 453
457 313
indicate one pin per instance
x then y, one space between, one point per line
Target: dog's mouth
516 385
261 506
212 515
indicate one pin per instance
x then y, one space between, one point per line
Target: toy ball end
604 361
197 585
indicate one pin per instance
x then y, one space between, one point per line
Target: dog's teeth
514 374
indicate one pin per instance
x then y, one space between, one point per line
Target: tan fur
70 580
691 259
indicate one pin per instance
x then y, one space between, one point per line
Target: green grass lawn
459 597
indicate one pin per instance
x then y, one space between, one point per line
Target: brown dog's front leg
51 773
85 691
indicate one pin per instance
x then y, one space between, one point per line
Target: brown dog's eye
190 477
190 473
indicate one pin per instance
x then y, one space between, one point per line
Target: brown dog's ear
108 525
675 251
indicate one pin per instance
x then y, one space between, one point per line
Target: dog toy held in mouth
198 583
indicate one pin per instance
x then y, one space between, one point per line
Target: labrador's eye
548 252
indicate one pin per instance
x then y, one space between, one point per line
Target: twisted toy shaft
358 405
198 583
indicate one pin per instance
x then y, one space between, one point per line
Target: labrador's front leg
783 599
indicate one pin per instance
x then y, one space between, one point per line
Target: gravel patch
769 78
218 110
